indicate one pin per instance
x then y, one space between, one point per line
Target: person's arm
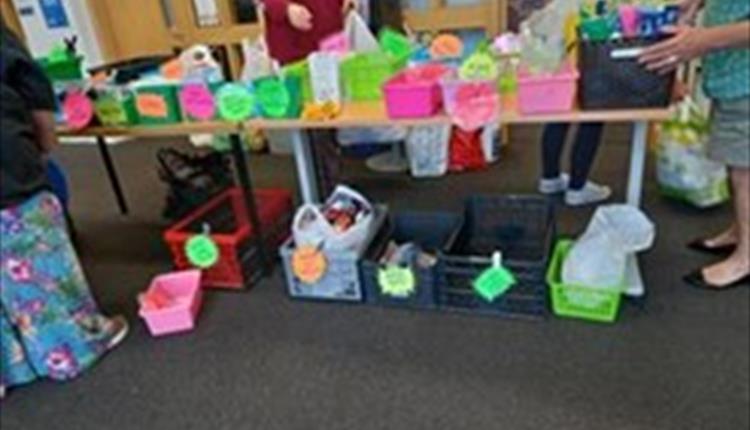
688 43
44 125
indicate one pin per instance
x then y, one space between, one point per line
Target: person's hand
300 17
689 11
686 43
350 5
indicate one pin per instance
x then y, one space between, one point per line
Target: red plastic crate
239 261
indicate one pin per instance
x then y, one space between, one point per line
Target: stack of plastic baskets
571 301
522 228
364 74
432 233
229 226
301 71
341 280
415 92
547 92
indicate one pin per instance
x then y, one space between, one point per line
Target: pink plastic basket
547 93
415 92
185 296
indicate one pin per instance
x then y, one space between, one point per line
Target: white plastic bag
258 61
310 226
599 257
683 170
360 37
491 143
428 150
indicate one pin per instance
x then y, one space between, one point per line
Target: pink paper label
78 110
476 106
338 43
198 102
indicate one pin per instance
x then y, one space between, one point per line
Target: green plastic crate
301 71
570 301
364 74
170 104
68 70
214 88
294 88
115 107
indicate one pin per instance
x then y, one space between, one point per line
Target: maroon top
288 44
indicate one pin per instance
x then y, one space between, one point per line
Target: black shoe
700 246
697 280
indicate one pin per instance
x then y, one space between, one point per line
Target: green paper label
202 252
236 102
274 97
493 283
479 66
397 282
110 111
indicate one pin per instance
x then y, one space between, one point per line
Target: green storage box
158 104
279 97
364 74
301 70
67 70
213 88
571 301
115 107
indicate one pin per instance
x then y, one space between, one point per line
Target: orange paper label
309 264
152 105
172 69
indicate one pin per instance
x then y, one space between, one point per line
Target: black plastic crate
523 229
612 78
434 232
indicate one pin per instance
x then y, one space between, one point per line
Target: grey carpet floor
260 361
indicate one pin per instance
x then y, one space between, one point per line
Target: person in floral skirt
50 325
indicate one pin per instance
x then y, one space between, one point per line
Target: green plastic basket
115 107
364 74
67 70
169 113
301 70
213 87
570 301
294 88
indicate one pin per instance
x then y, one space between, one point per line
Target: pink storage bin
183 292
547 93
415 92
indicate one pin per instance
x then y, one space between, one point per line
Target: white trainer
591 193
554 186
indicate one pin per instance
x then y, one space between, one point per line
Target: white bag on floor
310 226
427 148
599 257
491 143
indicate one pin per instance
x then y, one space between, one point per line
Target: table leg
240 165
635 285
114 180
305 167
637 163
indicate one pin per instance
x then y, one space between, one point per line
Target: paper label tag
626 53
324 73
495 281
78 110
202 251
110 111
397 282
274 97
309 264
151 105
236 102
198 102
446 46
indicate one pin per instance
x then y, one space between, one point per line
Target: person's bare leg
737 265
725 238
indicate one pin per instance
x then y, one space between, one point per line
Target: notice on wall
54 13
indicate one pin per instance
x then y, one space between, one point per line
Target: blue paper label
54 13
